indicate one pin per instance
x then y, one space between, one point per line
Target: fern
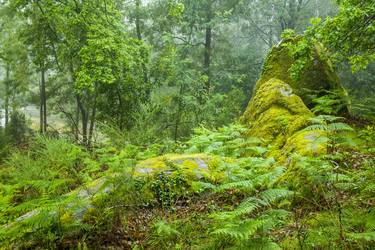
269 196
330 103
254 216
328 123
248 206
241 185
367 236
238 232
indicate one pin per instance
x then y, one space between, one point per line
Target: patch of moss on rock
196 166
317 76
307 143
275 113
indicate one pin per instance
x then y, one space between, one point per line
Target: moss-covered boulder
80 204
317 77
280 105
305 143
196 166
275 113
278 116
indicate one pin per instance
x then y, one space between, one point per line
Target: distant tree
14 61
16 130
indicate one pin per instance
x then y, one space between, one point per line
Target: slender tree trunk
41 104
208 47
270 34
178 114
77 118
43 98
92 120
119 110
207 58
7 95
138 19
77 112
317 14
84 119
139 36
292 14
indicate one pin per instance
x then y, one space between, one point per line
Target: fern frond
247 206
243 185
339 126
239 232
366 236
271 195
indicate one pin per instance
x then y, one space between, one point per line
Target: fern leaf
243 185
240 232
271 195
339 126
366 236
247 206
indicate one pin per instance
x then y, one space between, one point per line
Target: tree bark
41 123
84 119
208 47
77 118
43 99
138 19
207 58
139 36
7 95
78 110
92 120
178 114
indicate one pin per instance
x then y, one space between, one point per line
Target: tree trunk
138 19
7 95
139 36
43 100
92 121
84 119
41 123
77 111
207 58
208 47
77 118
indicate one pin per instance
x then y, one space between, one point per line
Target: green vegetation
160 143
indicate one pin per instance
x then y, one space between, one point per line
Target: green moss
306 143
196 166
318 74
279 108
275 113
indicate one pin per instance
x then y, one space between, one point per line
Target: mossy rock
317 77
196 166
278 116
306 143
275 113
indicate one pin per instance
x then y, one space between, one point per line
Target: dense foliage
120 129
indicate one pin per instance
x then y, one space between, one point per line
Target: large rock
279 109
317 77
275 113
79 205
196 166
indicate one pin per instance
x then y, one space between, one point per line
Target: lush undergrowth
55 194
